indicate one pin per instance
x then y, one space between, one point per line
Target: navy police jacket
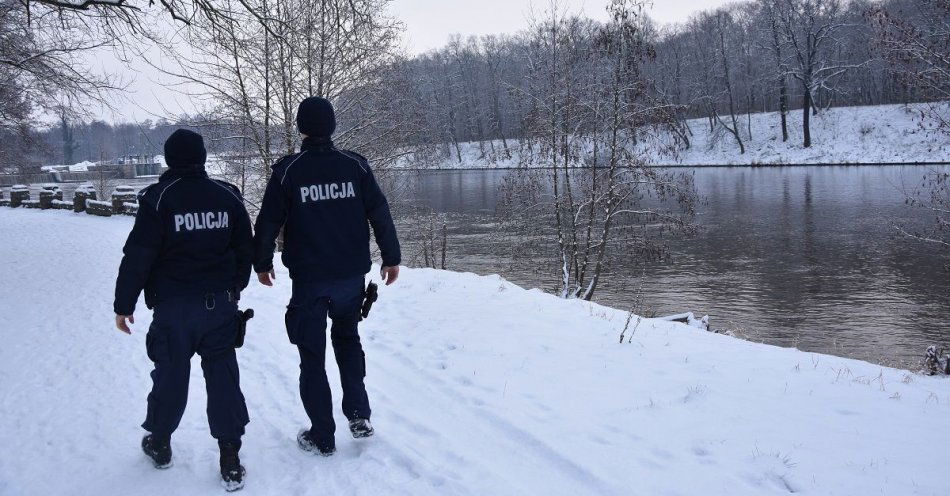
326 199
192 236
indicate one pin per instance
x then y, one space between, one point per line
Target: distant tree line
721 65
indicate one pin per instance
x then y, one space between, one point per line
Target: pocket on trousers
294 320
156 347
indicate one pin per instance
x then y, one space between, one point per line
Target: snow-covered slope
842 135
478 387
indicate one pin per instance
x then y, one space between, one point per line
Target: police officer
323 198
190 250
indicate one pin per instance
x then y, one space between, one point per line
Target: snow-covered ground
478 387
842 135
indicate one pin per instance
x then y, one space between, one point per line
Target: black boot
159 449
361 428
232 472
309 444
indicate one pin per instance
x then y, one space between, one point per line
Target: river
807 257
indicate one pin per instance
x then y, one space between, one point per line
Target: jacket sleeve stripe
229 190
291 165
159 202
347 155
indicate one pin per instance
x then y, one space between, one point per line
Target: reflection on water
796 256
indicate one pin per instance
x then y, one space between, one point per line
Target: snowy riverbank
478 387
844 135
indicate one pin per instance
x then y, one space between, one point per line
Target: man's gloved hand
267 278
121 325
389 274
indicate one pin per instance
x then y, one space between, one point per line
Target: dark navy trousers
306 321
181 327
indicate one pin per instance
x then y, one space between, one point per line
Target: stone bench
100 208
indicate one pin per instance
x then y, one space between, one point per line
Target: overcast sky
429 23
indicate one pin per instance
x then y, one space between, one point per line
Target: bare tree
723 23
592 196
812 29
253 75
40 54
780 64
915 41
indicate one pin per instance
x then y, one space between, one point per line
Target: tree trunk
806 116
783 108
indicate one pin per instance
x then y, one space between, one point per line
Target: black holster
242 317
369 297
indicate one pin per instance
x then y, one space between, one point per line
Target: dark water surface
792 256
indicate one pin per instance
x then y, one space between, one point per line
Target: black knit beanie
184 149
316 117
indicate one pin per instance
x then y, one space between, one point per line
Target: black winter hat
185 149
316 117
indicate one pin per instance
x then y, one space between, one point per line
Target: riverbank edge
687 166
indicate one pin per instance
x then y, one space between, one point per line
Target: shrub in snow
936 362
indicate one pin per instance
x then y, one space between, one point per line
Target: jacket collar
323 143
180 172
